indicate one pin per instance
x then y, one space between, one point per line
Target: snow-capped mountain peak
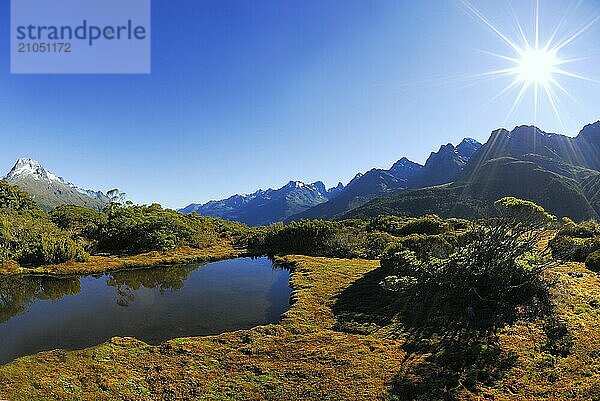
33 177
30 168
268 206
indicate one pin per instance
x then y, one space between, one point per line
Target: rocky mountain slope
267 206
558 172
297 200
50 190
442 166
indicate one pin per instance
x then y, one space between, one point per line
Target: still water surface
42 313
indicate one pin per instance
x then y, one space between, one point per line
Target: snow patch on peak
470 141
295 184
26 168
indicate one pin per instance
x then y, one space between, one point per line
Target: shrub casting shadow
448 348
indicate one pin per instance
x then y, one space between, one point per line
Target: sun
534 65
537 66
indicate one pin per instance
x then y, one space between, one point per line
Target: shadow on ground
448 350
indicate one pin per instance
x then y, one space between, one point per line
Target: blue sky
251 94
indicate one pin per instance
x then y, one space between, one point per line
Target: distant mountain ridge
444 165
441 167
297 200
50 190
267 206
558 172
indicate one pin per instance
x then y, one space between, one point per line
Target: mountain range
265 207
441 167
297 200
560 173
50 190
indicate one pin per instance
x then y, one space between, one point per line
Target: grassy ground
100 264
339 341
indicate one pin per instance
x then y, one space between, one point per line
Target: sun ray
553 104
535 103
577 76
502 92
572 7
577 34
572 60
519 26
504 71
483 19
517 101
567 93
537 24
498 55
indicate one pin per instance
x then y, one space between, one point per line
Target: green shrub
149 228
593 262
459 224
52 250
36 240
387 224
81 223
78 219
485 274
31 237
428 225
355 238
401 226
573 249
426 246
523 211
309 237
402 262
14 199
587 229
376 243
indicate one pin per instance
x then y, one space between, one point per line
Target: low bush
523 211
593 262
32 237
376 243
426 246
573 249
78 219
356 238
14 199
35 240
81 223
587 229
148 228
493 271
402 226
459 224
307 237
52 250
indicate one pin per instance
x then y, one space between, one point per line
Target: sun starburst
534 65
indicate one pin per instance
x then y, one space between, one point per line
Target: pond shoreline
151 304
103 264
